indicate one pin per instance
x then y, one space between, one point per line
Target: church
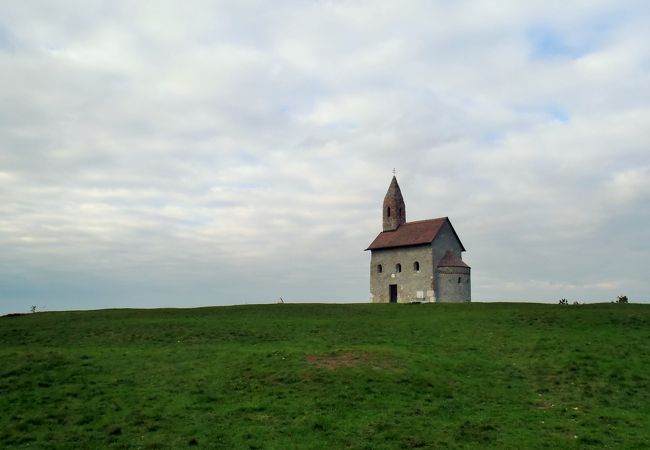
416 261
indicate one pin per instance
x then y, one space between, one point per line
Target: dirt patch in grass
349 360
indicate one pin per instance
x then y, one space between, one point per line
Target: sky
191 153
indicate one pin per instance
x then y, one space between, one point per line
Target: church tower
394 209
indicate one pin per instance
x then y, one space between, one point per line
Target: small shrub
622 299
564 301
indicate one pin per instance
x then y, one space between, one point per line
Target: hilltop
498 375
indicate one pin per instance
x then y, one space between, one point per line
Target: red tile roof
411 233
451 260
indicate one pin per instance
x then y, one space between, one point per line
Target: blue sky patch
546 43
6 40
557 114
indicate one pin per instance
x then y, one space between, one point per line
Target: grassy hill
357 376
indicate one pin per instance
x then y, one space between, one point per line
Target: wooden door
393 293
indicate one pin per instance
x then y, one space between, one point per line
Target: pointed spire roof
393 188
393 182
394 209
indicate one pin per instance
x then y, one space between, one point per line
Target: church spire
394 213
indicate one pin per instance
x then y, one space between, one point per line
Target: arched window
379 268
416 266
398 268
459 279
388 211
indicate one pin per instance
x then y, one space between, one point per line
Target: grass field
357 376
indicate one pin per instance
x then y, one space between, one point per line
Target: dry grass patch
349 360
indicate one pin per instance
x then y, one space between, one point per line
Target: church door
393 293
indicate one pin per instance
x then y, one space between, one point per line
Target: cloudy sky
185 153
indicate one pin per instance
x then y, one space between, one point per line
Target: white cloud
230 152
630 186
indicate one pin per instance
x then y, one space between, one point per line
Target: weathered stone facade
454 284
453 279
416 261
412 284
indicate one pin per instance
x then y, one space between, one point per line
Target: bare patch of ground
349 359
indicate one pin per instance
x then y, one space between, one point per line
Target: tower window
398 268
379 268
459 279
416 266
388 211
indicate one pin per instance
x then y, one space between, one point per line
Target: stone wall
445 240
454 284
412 285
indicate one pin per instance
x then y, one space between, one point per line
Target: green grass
356 376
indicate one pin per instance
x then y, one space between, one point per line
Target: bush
564 301
622 299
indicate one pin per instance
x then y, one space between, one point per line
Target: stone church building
416 261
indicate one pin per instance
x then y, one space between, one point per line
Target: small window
379 268
400 212
398 268
388 211
459 279
416 266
